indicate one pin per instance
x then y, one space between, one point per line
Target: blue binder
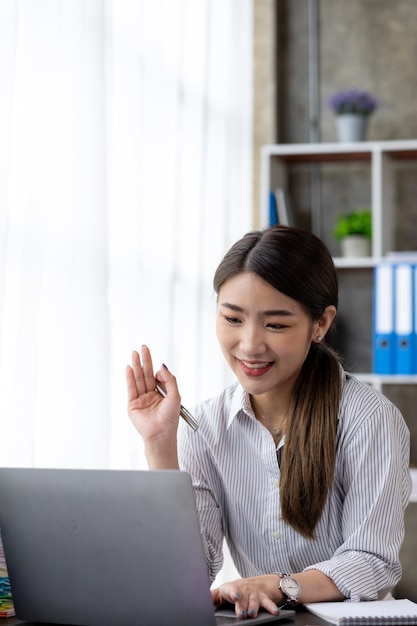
273 211
383 319
404 353
414 338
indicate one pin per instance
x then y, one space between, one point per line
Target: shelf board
355 262
386 379
316 153
340 152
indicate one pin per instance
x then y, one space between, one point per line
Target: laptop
107 548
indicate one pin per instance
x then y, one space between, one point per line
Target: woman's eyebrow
232 307
268 313
279 312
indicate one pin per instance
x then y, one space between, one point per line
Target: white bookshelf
381 159
381 155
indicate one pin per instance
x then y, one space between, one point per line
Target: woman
301 467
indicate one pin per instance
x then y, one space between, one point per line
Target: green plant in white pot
354 232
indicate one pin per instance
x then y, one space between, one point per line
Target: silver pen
185 413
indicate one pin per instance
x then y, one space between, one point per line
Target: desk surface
302 618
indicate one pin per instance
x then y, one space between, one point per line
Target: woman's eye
275 326
232 320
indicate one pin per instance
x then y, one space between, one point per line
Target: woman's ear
323 324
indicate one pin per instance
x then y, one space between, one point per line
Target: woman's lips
254 369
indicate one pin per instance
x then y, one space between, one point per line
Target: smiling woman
282 318
299 466
266 342
265 323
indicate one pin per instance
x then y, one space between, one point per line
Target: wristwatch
290 588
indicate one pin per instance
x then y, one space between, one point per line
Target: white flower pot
351 127
356 246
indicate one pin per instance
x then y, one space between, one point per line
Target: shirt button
277 535
276 482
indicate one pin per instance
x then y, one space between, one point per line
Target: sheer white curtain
125 173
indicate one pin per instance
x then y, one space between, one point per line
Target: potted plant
352 109
354 232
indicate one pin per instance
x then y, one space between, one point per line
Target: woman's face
264 335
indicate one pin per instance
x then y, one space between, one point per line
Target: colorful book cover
6 602
6 608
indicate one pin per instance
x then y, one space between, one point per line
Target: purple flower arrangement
352 101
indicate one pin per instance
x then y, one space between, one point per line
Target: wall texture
365 44
264 87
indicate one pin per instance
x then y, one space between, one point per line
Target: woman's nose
252 340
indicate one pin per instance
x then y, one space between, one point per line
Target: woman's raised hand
153 416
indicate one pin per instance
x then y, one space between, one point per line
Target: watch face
290 587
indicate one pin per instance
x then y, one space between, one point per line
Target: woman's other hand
249 595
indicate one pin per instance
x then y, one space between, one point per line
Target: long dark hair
297 263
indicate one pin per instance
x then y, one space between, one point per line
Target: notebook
382 612
106 547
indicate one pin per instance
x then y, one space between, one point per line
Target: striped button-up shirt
232 460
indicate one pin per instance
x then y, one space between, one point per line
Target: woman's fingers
138 374
141 387
147 370
132 391
143 379
248 596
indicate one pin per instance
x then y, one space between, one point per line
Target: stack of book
279 208
6 601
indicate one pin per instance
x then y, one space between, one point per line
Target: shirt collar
240 402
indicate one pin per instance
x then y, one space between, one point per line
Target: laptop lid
105 548
102 547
